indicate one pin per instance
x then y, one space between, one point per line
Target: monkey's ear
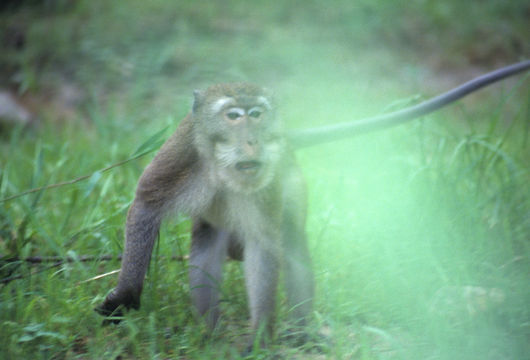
198 100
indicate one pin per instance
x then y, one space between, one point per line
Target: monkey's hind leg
261 277
209 248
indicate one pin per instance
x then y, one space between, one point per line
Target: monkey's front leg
208 251
143 224
261 276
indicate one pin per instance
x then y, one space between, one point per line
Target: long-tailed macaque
228 167
231 168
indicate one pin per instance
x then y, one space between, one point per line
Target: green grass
419 234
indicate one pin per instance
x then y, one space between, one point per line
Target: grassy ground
419 234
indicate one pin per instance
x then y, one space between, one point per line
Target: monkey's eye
233 115
254 114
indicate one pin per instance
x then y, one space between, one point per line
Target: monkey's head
238 134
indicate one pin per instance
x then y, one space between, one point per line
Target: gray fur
208 170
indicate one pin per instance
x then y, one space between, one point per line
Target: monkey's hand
115 302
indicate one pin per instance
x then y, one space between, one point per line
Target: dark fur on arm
156 189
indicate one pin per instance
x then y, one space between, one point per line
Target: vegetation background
419 233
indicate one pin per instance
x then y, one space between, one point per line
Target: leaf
27 337
51 334
33 327
72 254
58 319
151 144
92 181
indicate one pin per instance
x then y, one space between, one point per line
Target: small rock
11 112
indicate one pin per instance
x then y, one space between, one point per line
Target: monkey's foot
111 317
115 302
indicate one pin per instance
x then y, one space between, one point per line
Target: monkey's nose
251 148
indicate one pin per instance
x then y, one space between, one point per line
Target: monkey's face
245 148
241 138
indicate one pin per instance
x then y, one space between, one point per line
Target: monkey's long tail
309 137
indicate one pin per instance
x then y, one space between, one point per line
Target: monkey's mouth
248 166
